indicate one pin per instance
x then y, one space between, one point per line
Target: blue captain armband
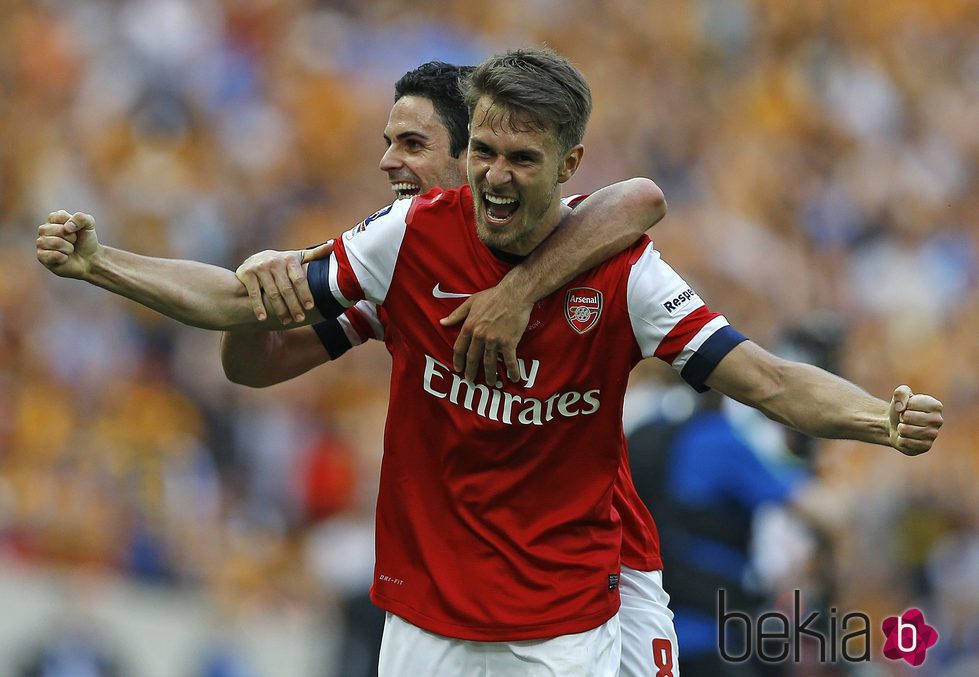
702 363
333 337
318 277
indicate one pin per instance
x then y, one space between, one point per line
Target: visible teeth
498 200
401 187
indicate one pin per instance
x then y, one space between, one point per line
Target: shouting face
514 171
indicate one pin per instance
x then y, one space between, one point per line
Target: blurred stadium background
817 157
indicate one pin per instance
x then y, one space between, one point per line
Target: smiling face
514 172
418 156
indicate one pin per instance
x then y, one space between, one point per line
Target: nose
498 173
390 160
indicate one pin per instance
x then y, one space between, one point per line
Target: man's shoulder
440 200
441 214
628 257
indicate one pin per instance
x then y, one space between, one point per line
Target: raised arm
820 404
194 293
605 223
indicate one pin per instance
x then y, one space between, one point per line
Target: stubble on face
529 159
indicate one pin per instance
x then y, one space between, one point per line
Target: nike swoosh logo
439 294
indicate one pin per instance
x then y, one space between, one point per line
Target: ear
569 165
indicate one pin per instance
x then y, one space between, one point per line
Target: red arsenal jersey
495 516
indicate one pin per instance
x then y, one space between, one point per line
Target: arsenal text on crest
582 308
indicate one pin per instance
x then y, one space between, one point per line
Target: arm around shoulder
602 225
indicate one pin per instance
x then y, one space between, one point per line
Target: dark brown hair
438 82
536 86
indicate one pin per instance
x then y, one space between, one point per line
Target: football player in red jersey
427 138
495 522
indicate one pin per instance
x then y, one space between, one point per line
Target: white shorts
649 647
409 651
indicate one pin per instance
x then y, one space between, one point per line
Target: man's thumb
81 221
318 252
899 401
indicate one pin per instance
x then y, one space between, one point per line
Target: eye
414 144
527 158
481 151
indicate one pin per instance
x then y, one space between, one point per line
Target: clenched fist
67 243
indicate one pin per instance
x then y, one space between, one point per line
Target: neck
546 224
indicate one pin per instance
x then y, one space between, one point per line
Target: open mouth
498 208
404 189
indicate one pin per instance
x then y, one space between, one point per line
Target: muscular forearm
262 358
801 396
820 404
194 293
605 223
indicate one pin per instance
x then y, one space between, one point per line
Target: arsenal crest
582 308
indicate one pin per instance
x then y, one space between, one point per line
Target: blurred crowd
817 156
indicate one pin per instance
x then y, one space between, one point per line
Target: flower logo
908 637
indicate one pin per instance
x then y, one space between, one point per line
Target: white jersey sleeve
671 322
362 263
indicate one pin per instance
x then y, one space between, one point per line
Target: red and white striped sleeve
671 322
362 263
358 324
